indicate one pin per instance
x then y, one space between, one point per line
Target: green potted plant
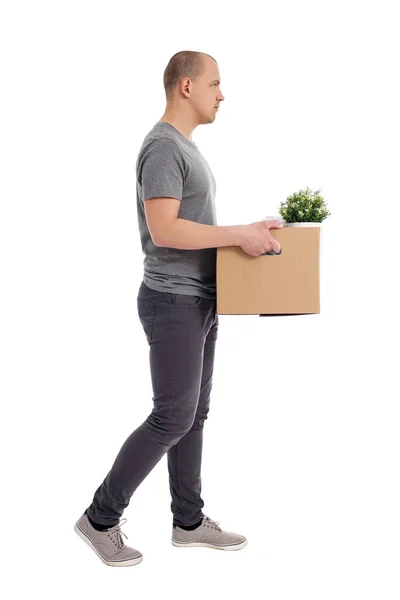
304 209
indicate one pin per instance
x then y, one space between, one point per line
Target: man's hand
257 239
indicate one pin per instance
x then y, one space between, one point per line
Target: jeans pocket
186 301
147 313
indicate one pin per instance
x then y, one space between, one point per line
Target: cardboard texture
284 284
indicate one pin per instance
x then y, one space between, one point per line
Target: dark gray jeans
181 331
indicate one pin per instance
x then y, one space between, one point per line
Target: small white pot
303 224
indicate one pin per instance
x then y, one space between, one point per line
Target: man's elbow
163 238
157 242
158 239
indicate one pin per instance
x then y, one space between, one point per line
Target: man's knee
171 430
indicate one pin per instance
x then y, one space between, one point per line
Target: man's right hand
256 238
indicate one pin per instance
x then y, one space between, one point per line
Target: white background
301 448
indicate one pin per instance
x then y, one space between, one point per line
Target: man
177 309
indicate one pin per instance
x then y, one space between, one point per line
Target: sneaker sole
205 545
122 563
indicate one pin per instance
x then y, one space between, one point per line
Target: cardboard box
284 284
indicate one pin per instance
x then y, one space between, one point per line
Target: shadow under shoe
108 545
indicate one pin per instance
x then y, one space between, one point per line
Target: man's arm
188 235
168 231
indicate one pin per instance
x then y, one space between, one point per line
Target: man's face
206 92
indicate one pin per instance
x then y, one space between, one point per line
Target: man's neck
183 129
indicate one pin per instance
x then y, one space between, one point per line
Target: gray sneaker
208 534
108 545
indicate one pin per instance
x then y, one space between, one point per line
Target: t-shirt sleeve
163 171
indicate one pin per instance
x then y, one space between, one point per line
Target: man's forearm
188 235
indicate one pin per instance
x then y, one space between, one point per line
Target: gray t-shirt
170 165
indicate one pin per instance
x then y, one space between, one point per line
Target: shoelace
116 531
213 524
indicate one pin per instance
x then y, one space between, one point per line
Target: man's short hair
186 63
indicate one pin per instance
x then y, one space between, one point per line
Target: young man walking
177 308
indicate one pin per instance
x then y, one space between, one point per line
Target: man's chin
208 119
